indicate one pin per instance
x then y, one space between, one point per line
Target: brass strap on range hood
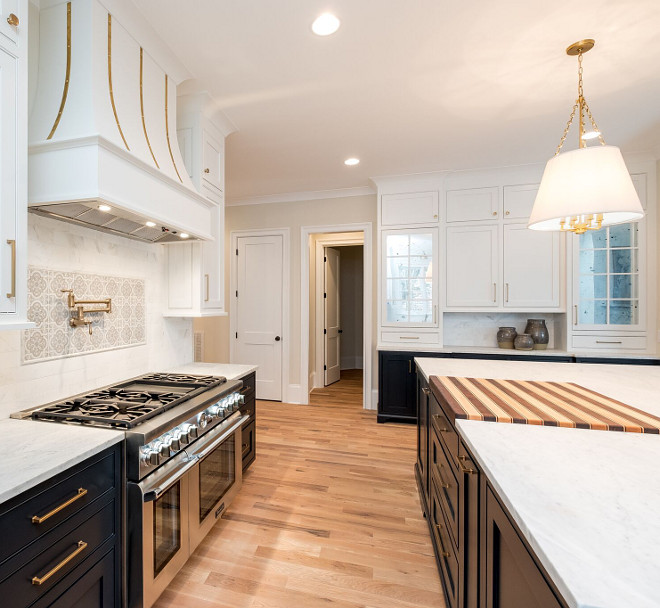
167 131
112 97
144 124
65 92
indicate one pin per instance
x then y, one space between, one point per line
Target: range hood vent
103 131
118 222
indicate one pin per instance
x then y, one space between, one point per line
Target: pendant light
587 188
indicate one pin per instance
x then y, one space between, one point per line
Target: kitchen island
584 501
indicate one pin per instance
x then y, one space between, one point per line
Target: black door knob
341 331
277 338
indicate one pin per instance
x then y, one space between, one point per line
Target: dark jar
539 332
506 336
524 342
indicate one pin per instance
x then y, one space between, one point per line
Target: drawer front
59 559
249 384
249 444
446 484
31 519
446 553
613 343
409 337
445 431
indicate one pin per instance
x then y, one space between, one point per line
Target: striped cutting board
542 403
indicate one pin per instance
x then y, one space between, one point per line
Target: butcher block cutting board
562 404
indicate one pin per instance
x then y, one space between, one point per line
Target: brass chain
575 109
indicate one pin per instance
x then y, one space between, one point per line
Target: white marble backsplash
167 342
480 329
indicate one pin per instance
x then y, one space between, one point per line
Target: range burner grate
130 403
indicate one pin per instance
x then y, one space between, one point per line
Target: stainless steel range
183 464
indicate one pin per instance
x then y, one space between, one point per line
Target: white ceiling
410 86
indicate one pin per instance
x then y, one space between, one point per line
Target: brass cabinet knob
12 20
494 212
207 170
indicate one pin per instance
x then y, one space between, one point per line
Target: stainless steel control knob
164 449
176 443
184 437
193 431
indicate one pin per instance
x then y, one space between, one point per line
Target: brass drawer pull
408 337
426 391
464 469
82 545
12 20
206 280
12 244
207 170
39 520
245 390
437 425
444 485
597 341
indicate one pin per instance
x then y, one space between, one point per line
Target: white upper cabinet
531 268
472 204
196 269
409 289
472 266
519 200
409 208
13 20
13 165
213 161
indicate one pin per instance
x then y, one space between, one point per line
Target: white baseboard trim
294 394
374 400
312 380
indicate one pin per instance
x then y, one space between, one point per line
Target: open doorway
336 306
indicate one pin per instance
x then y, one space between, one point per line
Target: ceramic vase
539 332
506 336
524 342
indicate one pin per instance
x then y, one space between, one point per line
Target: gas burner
129 403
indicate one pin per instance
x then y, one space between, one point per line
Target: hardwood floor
328 516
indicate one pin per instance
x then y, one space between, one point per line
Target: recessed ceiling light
352 161
325 25
184 235
105 207
150 224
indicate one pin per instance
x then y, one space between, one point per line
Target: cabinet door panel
8 183
472 266
519 200
531 267
409 208
512 576
212 161
213 295
397 386
472 204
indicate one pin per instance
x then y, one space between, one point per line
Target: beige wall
655 338
294 215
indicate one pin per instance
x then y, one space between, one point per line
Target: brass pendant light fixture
587 188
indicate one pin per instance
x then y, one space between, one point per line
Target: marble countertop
494 350
230 371
40 450
586 501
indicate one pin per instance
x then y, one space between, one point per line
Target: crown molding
296 197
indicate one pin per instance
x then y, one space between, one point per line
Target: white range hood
103 131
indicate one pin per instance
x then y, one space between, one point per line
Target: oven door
216 478
158 541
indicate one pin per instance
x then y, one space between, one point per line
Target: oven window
217 473
167 527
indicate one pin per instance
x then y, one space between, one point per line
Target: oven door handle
154 490
213 442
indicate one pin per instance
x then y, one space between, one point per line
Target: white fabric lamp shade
585 181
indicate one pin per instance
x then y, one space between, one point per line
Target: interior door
332 331
258 338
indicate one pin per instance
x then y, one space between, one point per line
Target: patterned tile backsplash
53 338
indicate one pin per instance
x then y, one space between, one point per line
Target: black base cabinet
249 430
61 540
482 558
513 576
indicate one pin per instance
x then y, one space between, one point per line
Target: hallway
348 391
328 516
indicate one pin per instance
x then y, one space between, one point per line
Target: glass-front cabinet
410 266
608 272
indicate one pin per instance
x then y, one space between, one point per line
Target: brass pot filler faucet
78 306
